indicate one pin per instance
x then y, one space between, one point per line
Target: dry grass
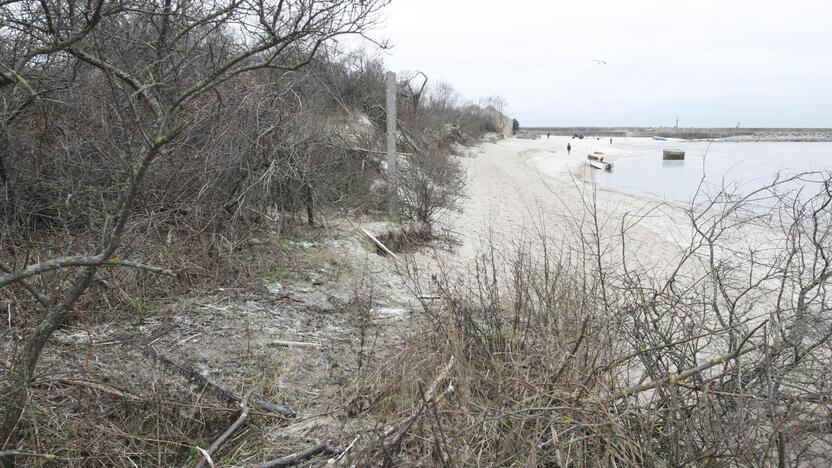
557 363
540 376
525 381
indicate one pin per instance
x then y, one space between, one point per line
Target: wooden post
392 91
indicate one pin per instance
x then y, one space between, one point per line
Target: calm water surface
746 166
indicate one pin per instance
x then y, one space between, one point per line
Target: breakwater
691 133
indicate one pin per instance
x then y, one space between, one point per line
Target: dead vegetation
160 149
148 148
567 359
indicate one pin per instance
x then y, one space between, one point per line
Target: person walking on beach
569 148
610 140
548 135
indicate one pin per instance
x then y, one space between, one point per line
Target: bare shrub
131 129
586 357
430 182
161 136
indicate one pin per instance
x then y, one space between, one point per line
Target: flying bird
599 62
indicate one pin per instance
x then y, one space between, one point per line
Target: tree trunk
24 366
310 215
5 180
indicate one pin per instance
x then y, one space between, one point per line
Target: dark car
579 136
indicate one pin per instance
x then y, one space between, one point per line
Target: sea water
710 166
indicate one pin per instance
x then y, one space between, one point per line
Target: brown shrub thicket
149 134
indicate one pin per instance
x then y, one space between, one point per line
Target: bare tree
165 65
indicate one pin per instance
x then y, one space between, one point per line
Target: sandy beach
518 185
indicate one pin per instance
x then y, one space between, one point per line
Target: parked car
579 136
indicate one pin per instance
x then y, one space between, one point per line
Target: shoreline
520 190
783 134
529 188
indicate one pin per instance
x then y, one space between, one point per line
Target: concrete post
392 91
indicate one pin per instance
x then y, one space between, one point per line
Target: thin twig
680 377
219 392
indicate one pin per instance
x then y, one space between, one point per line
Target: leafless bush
586 357
137 92
156 135
472 119
528 344
430 182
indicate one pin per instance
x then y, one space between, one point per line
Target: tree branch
77 261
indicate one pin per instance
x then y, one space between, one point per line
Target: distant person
548 135
610 140
569 148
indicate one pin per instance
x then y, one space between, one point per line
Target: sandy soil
536 186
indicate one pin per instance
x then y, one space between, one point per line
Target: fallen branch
219 392
206 455
97 387
379 244
106 389
305 454
28 453
295 344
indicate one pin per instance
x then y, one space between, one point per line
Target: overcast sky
711 63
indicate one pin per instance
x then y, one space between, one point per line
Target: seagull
599 62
